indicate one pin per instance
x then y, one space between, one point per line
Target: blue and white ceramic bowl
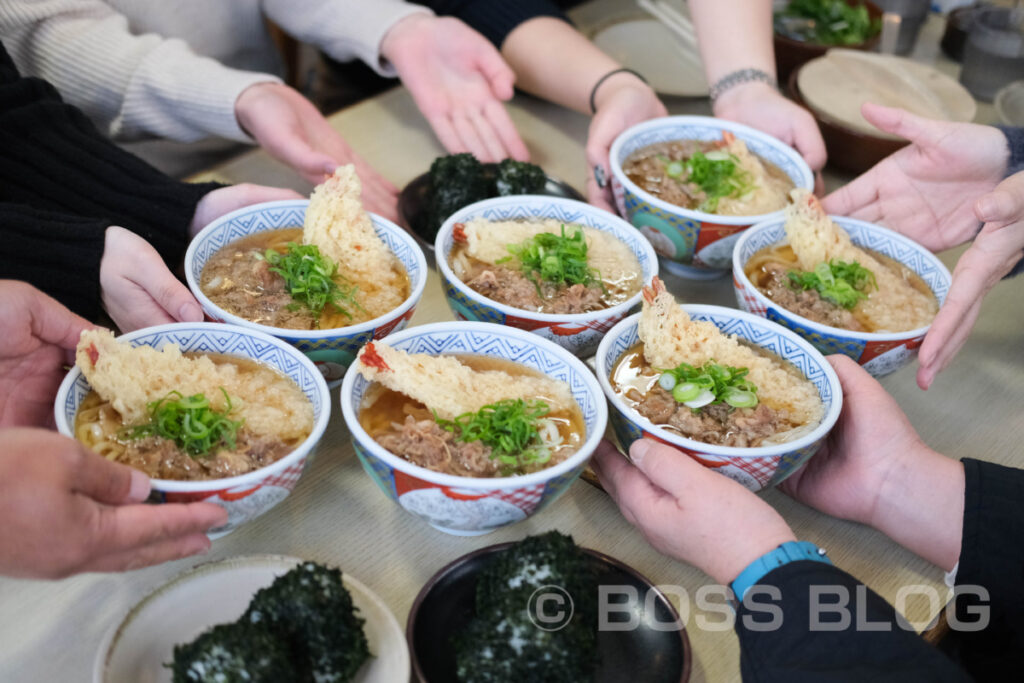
755 468
579 332
879 353
248 496
693 244
331 350
470 506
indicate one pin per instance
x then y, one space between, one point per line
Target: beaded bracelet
593 91
731 80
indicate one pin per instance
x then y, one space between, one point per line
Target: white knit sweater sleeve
344 29
131 86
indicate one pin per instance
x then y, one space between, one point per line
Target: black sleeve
495 19
806 640
54 161
992 558
1015 140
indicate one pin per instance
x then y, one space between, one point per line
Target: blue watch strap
792 551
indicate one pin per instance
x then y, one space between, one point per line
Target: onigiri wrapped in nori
235 653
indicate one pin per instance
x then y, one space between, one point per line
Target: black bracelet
730 80
593 91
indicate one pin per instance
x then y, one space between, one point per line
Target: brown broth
758 271
238 280
383 410
99 426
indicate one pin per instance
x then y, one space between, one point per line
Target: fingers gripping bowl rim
880 353
332 349
246 496
756 468
693 243
471 505
577 332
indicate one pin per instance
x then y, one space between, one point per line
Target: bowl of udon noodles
845 285
472 426
559 268
380 276
210 412
737 393
692 184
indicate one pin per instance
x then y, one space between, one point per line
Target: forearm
58 254
53 159
817 634
131 86
744 25
920 505
565 70
496 19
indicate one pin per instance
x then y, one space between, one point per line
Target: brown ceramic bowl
791 54
647 653
847 148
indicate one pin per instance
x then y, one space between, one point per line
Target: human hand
67 510
38 340
623 100
874 469
994 253
459 81
761 106
136 287
926 190
688 512
294 132
226 199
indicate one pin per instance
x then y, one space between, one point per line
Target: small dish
656 651
414 201
219 592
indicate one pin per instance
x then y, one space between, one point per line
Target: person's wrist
392 40
732 557
738 95
247 103
617 84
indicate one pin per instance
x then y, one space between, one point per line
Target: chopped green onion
844 284
687 391
738 398
710 383
190 422
675 169
510 427
560 260
718 174
667 381
705 397
312 279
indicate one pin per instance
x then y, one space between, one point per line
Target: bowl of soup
559 268
692 184
882 330
431 407
273 398
228 272
758 441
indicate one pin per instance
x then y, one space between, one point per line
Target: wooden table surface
50 631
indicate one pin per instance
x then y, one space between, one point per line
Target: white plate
650 48
136 650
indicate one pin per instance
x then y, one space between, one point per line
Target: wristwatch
792 551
